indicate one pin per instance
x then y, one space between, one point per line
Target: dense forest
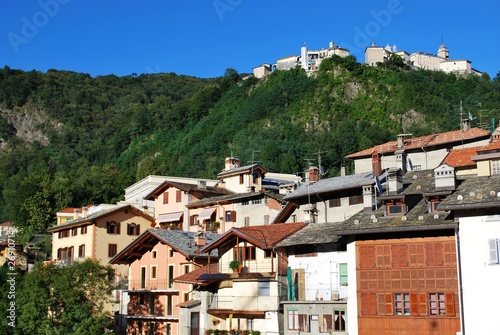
69 139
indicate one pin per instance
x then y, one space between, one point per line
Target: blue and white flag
410 164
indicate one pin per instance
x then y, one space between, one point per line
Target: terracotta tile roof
263 237
462 157
6 224
71 210
425 141
192 277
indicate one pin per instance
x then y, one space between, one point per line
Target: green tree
66 300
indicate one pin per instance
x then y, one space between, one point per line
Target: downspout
460 287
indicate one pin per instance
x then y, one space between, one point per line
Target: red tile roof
462 157
263 237
6 224
191 277
425 141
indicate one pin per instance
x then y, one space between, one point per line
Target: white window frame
494 251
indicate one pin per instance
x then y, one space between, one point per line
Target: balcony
159 285
242 306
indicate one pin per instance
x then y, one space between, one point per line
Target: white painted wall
480 279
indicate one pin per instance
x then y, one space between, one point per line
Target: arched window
112 227
133 229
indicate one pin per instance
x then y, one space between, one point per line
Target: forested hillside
68 139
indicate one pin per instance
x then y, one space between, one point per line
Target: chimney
401 159
401 141
231 163
76 214
368 197
394 181
342 170
310 213
444 178
376 164
200 241
85 211
313 174
202 185
465 124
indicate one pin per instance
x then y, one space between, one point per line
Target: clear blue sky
203 38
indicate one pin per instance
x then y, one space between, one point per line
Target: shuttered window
493 247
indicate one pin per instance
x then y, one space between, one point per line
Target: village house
155 258
475 206
418 153
244 289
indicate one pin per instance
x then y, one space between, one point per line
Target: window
193 220
247 221
245 202
231 216
293 319
112 250
402 303
245 253
153 272
241 179
81 251
74 231
250 324
264 288
171 253
255 178
133 229
343 274
334 202
355 199
437 304
83 230
143 277
417 167
433 206
256 201
395 209
71 252
325 323
266 219
141 298
170 277
495 167
269 253
165 198
494 253
304 323
339 320
113 227
153 254
178 196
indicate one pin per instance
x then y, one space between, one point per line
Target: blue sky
203 38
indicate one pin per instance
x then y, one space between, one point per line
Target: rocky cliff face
27 125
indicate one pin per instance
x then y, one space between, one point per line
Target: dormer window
495 167
396 209
433 206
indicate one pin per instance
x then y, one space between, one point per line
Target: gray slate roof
331 184
183 241
474 192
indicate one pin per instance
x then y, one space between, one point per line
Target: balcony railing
245 303
152 285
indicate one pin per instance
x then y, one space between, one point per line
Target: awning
206 214
171 217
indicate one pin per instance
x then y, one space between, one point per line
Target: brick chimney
376 164
313 174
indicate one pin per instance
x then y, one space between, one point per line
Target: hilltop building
309 60
375 55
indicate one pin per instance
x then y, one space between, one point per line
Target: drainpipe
460 287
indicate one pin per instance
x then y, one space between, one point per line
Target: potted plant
234 265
